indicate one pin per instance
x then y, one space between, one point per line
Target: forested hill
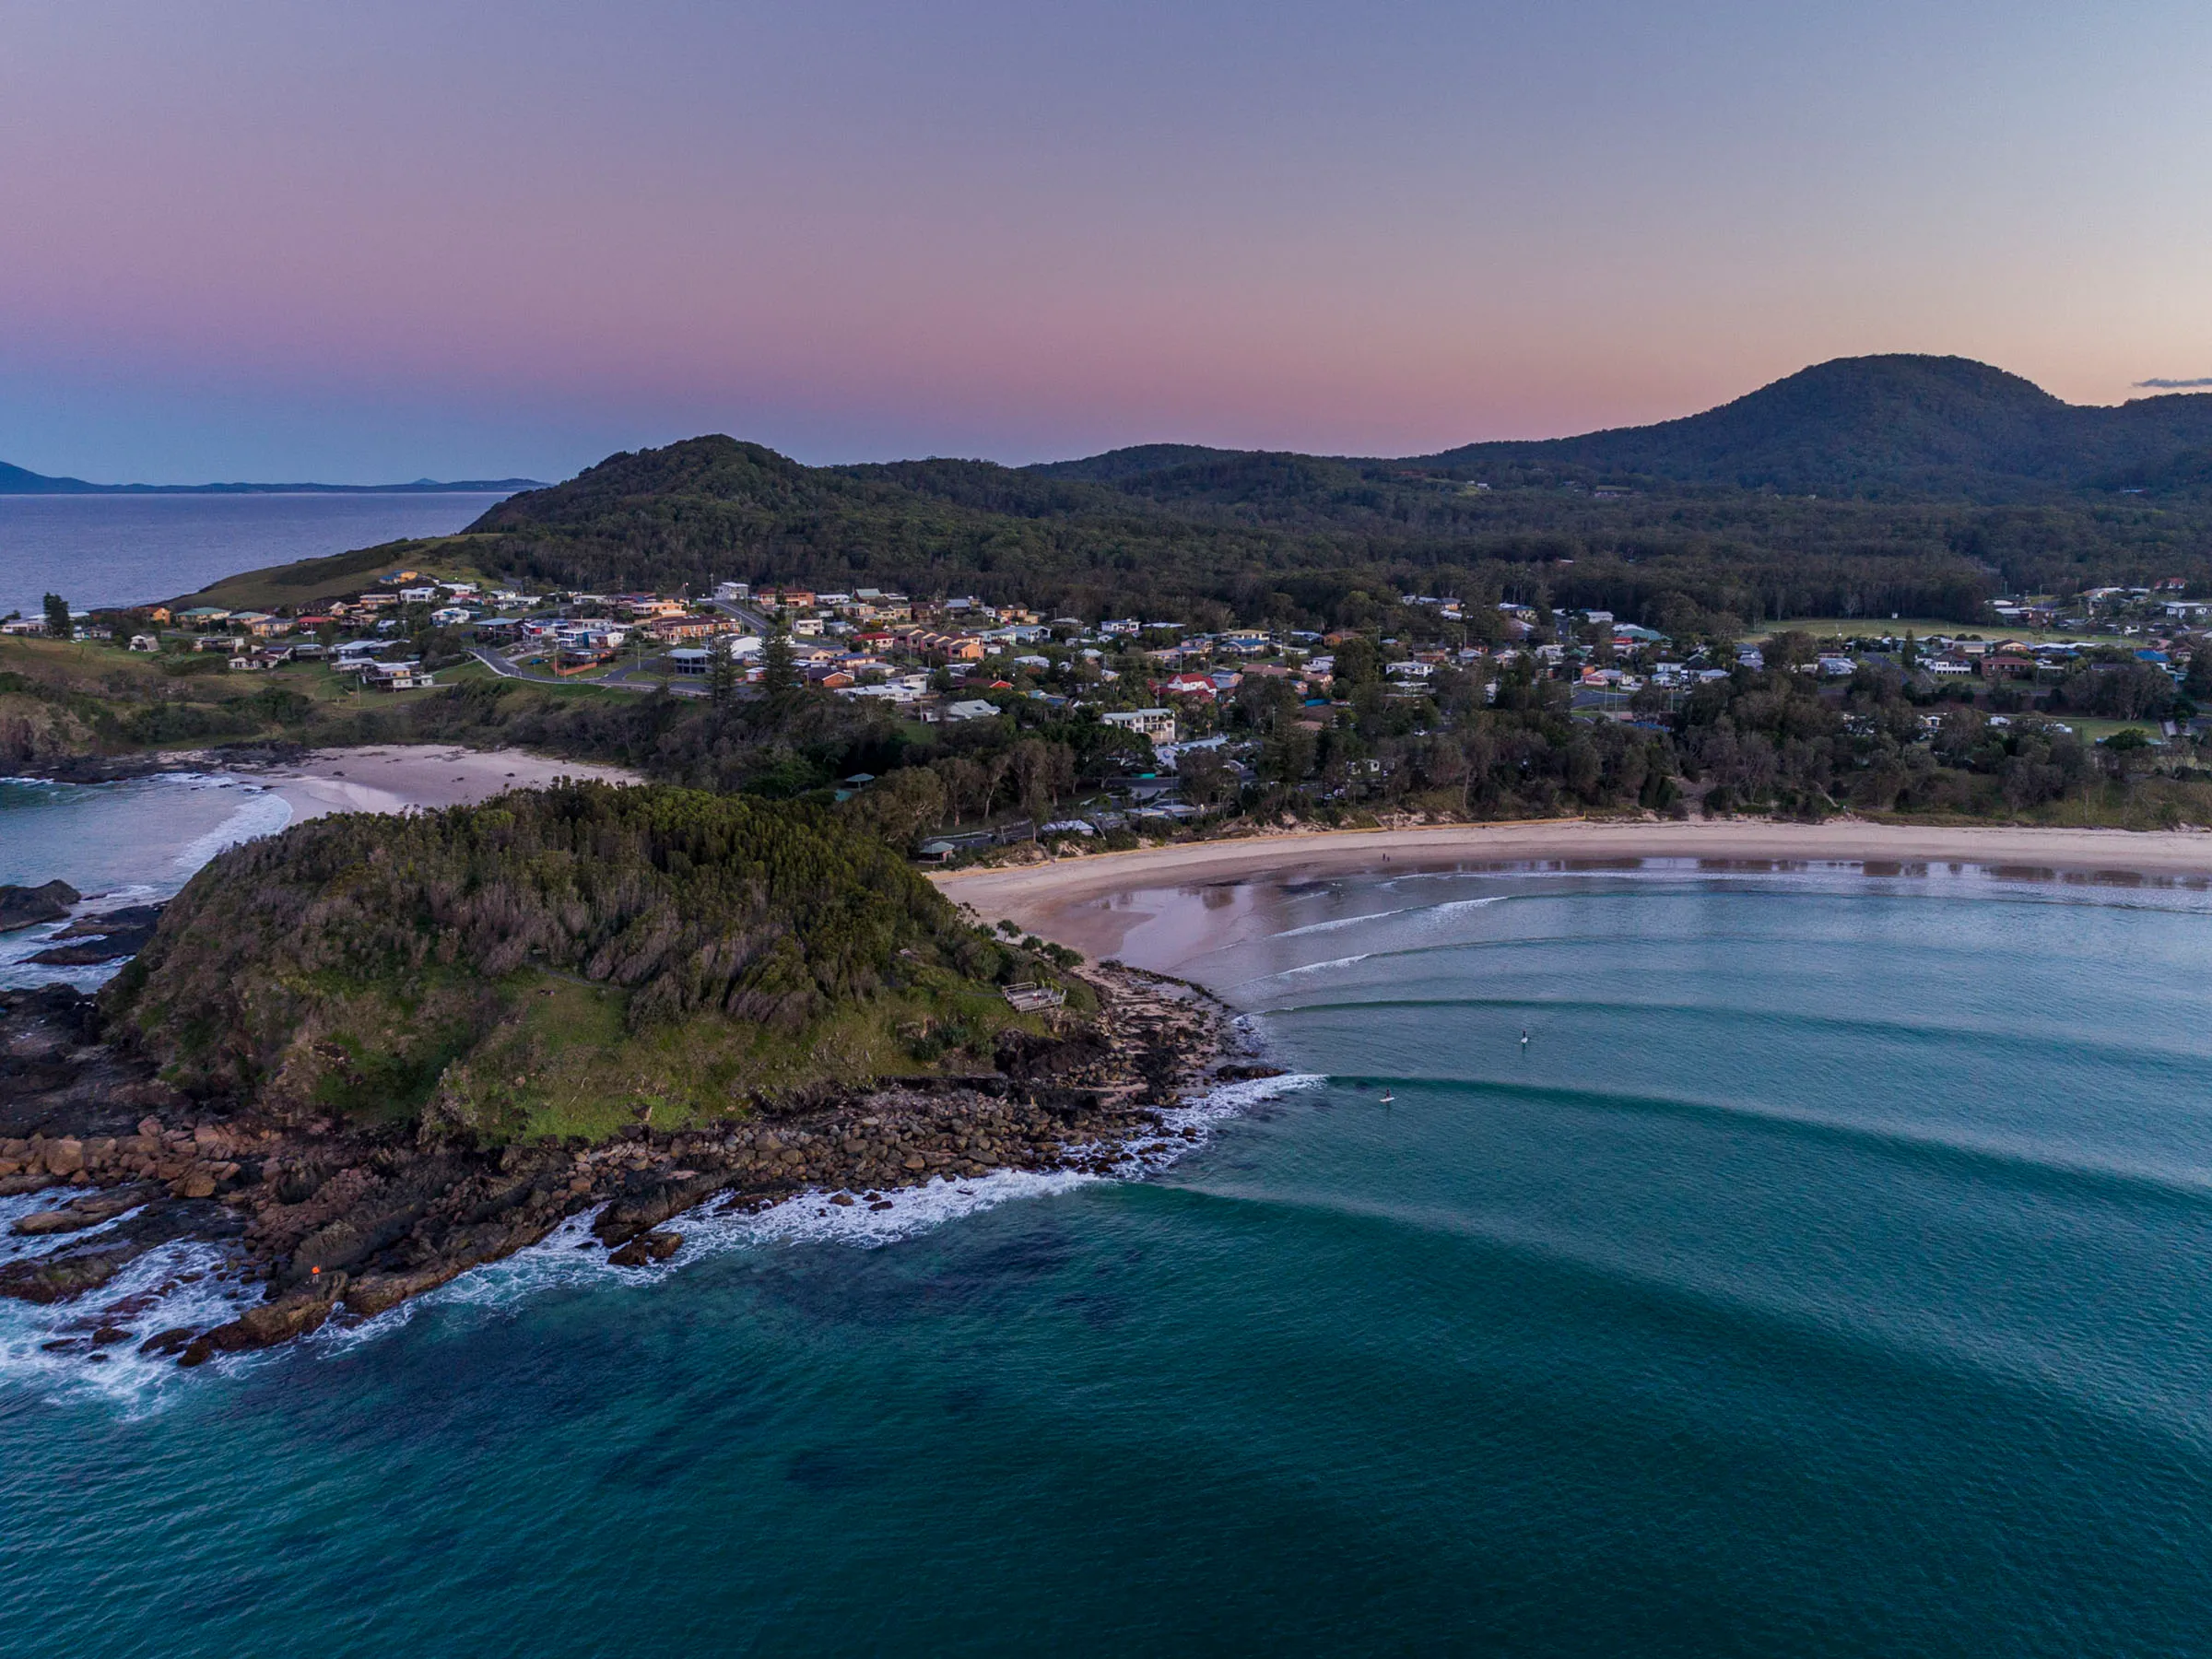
704 944
1894 425
1940 483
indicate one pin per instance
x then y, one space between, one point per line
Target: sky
480 237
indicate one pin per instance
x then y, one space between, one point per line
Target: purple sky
370 243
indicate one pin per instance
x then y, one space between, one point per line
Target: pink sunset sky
373 242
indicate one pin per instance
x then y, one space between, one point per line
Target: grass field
1822 628
312 579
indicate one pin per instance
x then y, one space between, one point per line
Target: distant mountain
1894 427
1941 483
17 480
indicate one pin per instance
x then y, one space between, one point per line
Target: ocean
119 844
1827 1273
98 550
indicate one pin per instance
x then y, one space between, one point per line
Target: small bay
1826 1273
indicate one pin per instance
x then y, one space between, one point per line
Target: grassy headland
570 961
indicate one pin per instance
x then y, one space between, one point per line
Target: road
618 679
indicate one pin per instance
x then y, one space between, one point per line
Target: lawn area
1824 627
2096 730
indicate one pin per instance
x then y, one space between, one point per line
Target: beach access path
1085 902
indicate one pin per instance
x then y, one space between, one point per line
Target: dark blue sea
1830 1273
96 551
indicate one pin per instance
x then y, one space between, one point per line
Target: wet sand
1094 903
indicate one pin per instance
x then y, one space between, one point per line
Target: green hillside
562 962
1920 485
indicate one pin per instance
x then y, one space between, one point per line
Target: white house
1159 724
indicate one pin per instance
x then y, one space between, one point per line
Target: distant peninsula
17 480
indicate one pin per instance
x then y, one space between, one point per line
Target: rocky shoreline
335 1222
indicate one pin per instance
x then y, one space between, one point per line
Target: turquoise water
1831 1273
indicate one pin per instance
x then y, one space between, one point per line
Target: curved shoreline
1069 899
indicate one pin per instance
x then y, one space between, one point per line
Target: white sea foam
1313 967
259 813
1337 921
180 1284
567 1256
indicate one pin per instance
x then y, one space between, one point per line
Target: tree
58 625
1357 664
1041 771
1208 777
778 673
722 675
901 807
2197 683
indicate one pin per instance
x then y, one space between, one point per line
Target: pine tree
722 675
58 625
777 673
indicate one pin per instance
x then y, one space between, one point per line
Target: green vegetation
284 586
1859 488
565 962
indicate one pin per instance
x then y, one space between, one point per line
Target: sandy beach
393 777
1094 903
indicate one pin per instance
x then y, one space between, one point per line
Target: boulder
84 1212
646 1249
261 1327
65 1157
28 906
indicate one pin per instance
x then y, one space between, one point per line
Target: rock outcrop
344 1221
28 906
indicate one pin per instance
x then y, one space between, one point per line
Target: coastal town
1177 723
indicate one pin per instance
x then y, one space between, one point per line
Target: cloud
2175 385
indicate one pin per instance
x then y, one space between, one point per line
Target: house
395 677
1188 685
145 642
674 628
1836 667
974 708
1159 724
